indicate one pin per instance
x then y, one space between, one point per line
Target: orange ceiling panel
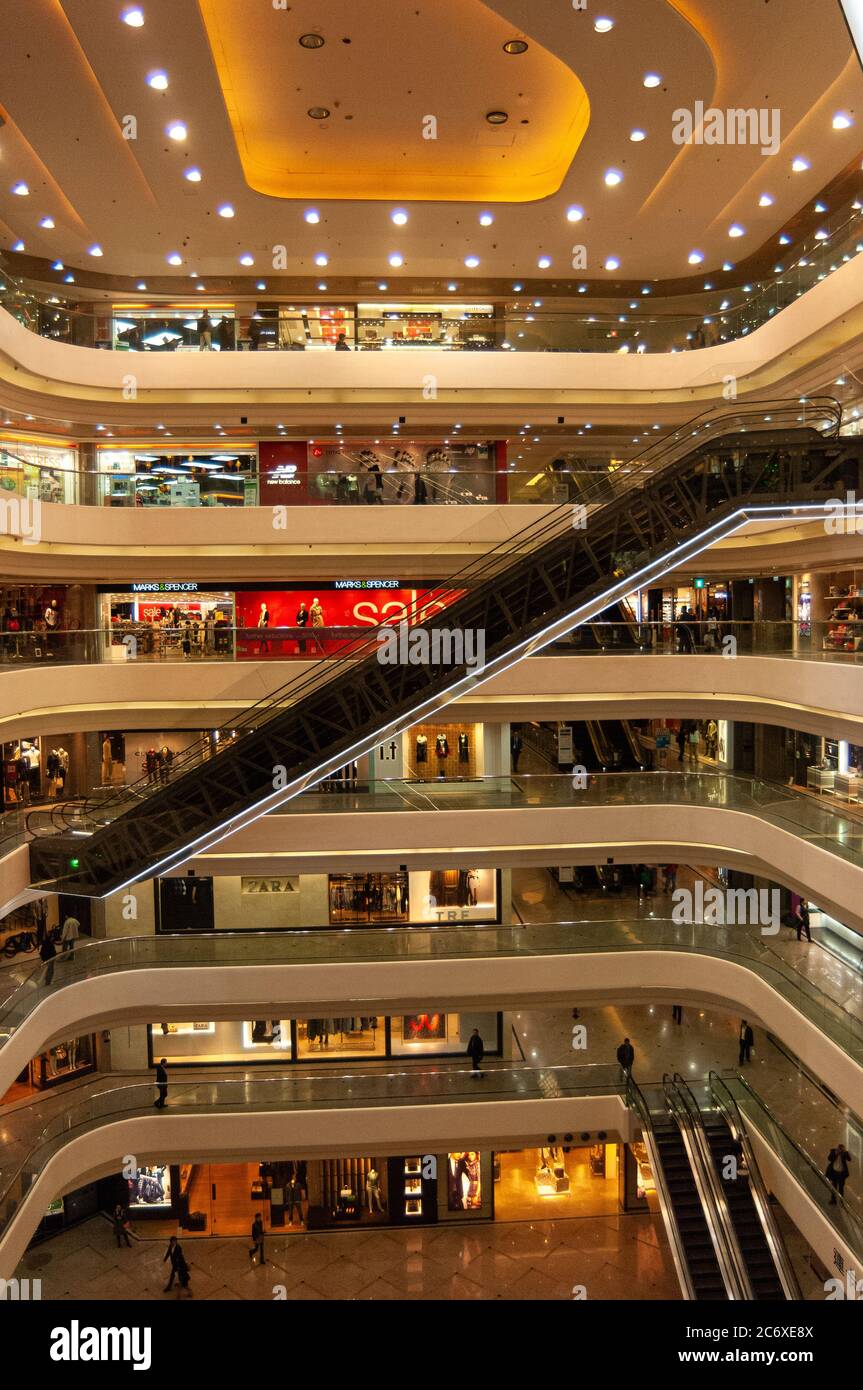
408 89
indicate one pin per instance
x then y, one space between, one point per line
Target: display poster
464 1181
151 1187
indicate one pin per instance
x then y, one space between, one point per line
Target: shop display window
224 1042
444 752
150 1189
63 1061
350 1036
171 328
450 896
183 624
177 478
39 473
357 899
403 473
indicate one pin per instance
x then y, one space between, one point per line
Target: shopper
476 1052
800 919
257 1240
693 739
70 933
746 1039
342 343
669 875
685 637
161 1084
205 331
838 1162
677 1013
225 334
681 744
626 1057
663 743
47 952
515 746
179 1268
120 1221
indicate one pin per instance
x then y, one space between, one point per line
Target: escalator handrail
636 1100
728 1107
662 453
704 1178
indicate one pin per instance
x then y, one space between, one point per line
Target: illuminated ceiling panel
408 91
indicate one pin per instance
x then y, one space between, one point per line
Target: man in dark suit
161 1084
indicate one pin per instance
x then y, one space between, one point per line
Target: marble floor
610 1257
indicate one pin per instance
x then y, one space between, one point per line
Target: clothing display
359 898
463 748
454 887
422 748
441 746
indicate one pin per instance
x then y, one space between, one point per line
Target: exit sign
699 583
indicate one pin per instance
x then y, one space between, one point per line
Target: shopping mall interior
504 649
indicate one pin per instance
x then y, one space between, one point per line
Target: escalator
680 496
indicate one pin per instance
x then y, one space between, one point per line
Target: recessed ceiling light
18 246
452 288
612 263
613 177
727 265
544 262
821 235
68 279
486 219
695 257
226 210
471 262
158 80
841 121
95 251
652 79
261 285
21 190
736 230
321 259
574 214
383 285
193 175
396 260
47 223
800 165
603 25
318 113
247 259
311 40
58 265
765 201
175 258
497 117
133 15
515 46
322 286
820 207
517 288
636 136
312 215
784 240
400 217
176 131
141 285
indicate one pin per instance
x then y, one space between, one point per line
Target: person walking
681 744
161 1084
70 933
677 1013
838 1161
475 1051
626 1056
257 1240
179 1269
47 953
669 875
205 332
746 1038
120 1221
801 921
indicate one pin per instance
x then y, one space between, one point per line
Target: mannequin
463 748
303 620
422 748
316 613
263 624
107 762
373 1190
441 746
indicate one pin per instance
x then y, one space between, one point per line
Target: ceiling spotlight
822 235
695 258
20 190
841 121
497 117
141 285
321 259
95 251
158 80
175 258
311 40
176 131
318 113
800 165
452 288
312 216
47 223
471 262
58 265
820 207
321 285
261 285
396 260
544 262
613 177
226 210
400 217
574 214
603 26
246 259
652 79
18 246
515 46
517 288
784 240
636 136
486 219
133 15
193 175
68 279
612 263
383 285
736 230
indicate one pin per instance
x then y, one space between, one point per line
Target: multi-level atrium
431 854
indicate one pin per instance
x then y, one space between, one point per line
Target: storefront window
40 473
356 899
62 1062
159 621
385 326
252 1041
150 1188
354 1036
177 478
433 473
173 328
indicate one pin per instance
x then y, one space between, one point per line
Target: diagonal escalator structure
638 521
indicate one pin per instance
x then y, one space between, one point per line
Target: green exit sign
699 583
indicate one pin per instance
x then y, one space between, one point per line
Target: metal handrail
636 1100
